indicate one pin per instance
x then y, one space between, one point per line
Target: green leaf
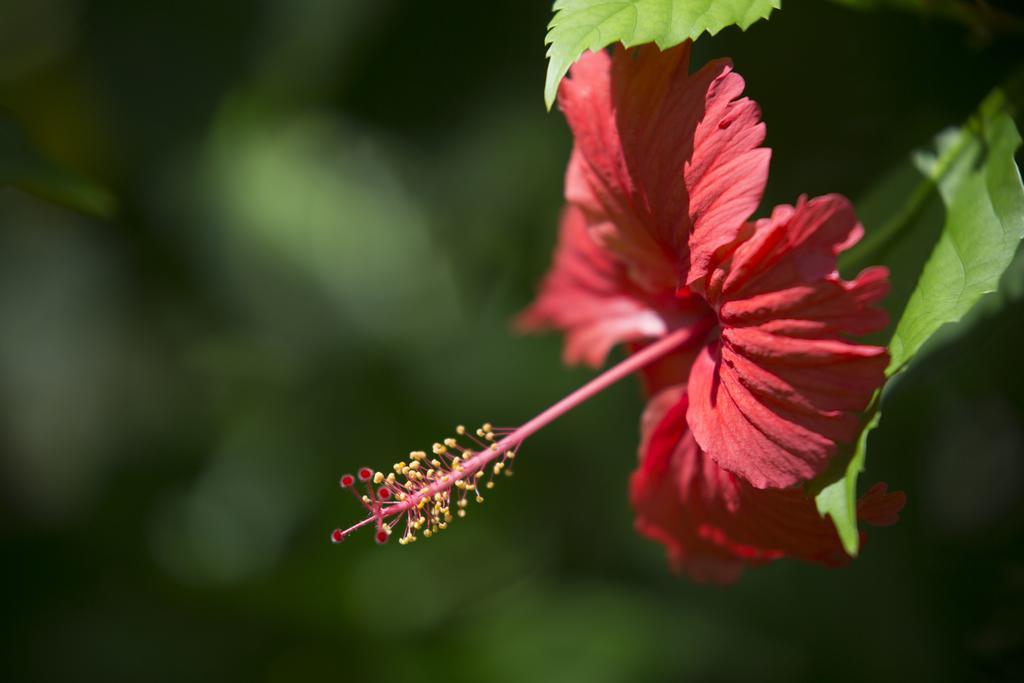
952 8
981 187
24 167
971 186
580 25
984 19
839 499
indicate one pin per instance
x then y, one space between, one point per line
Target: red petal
880 508
783 387
588 295
669 164
711 522
660 490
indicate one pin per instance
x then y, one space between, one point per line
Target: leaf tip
556 72
832 502
851 541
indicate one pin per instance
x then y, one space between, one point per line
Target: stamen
424 492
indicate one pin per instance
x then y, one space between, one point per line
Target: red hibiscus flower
665 173
741 329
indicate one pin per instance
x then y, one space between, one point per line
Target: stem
670 342
876 242
609 377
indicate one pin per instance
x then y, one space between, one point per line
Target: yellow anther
480 433
391 478
479 499
447 518
462 513
494 447
450 442
462 503
510 455
487 427
479 474
366 499
460 430
427 533
378 478
490 484
415 465
439 449
436 463
456 460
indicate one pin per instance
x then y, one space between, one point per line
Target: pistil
425 497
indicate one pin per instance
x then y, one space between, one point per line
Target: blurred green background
327 213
